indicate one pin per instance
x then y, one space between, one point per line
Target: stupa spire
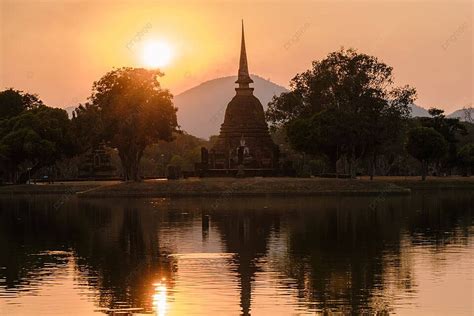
243 78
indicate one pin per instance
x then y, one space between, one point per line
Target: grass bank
245 187
431 183
69 187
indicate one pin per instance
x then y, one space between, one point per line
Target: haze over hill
201 109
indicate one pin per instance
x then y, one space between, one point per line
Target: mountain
69 110
201 109
418 111
463 114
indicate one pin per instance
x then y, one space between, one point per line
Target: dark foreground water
265 256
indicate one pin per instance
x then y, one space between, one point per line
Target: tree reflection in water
338 253
116 248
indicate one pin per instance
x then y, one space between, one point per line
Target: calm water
276 256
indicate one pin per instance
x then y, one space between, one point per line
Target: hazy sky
58 48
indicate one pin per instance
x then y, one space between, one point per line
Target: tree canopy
350 98
129 110
450 128
426 145
33 137
466 158
13 102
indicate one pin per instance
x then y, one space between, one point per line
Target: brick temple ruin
244 145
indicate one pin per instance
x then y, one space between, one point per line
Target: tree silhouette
36 137
13 102
450 129
129 110
426 145
354 89
466 158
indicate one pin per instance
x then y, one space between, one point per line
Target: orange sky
58 48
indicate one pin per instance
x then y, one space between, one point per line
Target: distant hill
201 109
463 114
418 111
69 110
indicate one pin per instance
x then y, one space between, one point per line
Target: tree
87 126
13 102
467 114
355 89
385 123
35 138
426 145
450 128
466 159
130 111
319 134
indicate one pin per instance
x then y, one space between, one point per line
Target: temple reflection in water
244 256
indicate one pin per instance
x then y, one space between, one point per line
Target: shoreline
258 186
212 187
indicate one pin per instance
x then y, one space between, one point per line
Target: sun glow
159 299
157 54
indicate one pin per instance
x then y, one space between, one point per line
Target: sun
157 54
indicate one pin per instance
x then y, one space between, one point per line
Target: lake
407 255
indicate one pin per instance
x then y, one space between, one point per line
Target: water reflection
256 255
160 298
246 235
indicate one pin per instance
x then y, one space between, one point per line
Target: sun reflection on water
159 298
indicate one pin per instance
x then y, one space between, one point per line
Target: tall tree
466 159
129 111
426 145
451 129
35 138
357 89
319 134
87 126
13 102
